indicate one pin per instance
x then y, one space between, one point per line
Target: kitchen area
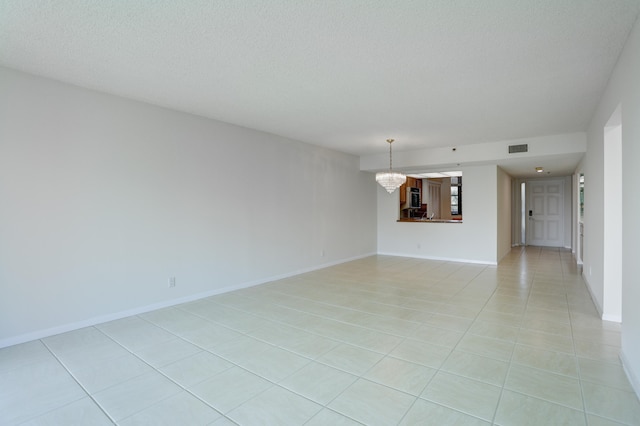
431 198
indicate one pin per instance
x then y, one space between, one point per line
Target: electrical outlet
418 245
172 282
321 253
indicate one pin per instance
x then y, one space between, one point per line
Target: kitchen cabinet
410 183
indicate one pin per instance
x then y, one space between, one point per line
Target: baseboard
612 318
40 334
445 259
593 298
633 378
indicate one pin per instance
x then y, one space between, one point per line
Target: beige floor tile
167 352
550 327
194 369
516 409
274 364
472 397
594 420
461 311
275 406
174 320
319 382
81 412
604 373
127 398
494 331
426 413
112 371
180 409
77 340
555 362
602 336
423 353
476 367
210 336
372 340
328 417
401 375
135 333
505 308
484 346
83 348
23 354
240 348
597 351
372 404
229 389
500 318
34 389
546 341
351 359
536 313
309 345
395 326
223 421
436 336
611 403
449 322
273 333
541 384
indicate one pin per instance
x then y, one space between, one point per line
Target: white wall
623 89
612 263
103 199
568 212
504 192
474 240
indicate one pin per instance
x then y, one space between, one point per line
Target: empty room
319 213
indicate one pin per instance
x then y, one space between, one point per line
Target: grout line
78 382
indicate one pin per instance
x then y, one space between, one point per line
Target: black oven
413 198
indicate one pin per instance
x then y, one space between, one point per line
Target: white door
433 200
545 213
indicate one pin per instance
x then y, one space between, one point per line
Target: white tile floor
380 341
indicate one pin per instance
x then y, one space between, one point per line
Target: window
456 195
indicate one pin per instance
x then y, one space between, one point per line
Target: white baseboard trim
633 378
445 259
612 318
593 298
599 308
40 334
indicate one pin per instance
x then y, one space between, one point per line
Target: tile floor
379 341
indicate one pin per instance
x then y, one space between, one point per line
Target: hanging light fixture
390 180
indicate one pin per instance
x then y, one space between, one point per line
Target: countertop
419 220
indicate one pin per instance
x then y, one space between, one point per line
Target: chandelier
390 180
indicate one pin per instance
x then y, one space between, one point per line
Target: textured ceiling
342 74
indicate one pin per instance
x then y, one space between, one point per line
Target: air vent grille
518 148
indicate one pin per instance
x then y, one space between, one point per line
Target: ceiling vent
518 148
